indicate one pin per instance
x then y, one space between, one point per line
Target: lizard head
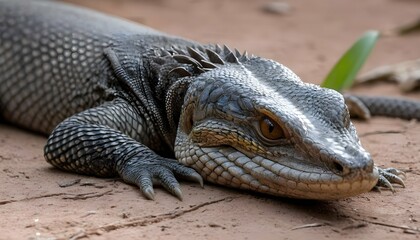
251 123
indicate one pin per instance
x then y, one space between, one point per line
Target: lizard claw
195 177
394 171
149 193
177 192
389 176
144 173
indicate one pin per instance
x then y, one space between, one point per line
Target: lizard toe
145 183
184 172
390 176
167 179
161 171
394 171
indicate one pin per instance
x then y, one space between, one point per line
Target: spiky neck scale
169 73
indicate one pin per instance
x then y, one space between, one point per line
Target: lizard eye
270 129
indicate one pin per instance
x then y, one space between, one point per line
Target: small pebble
277 7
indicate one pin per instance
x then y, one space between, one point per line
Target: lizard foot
146 173
388 176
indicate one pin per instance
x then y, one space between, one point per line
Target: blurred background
307 36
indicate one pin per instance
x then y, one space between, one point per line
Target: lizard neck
157 80
170 72
168 81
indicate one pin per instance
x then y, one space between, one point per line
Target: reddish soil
309 39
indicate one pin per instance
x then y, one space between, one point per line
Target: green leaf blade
345 70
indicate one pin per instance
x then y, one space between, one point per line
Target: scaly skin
318 157
119 99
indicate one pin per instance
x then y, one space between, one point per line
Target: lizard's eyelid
270 128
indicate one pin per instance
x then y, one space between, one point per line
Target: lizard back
52 63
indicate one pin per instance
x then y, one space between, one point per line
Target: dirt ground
39 202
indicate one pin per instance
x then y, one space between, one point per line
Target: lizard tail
392 107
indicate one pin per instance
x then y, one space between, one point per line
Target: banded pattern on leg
111 140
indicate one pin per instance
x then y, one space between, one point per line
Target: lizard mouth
229 167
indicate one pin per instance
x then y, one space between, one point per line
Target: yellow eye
270 129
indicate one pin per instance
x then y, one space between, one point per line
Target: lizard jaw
227 166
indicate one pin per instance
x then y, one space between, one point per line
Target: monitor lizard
120 99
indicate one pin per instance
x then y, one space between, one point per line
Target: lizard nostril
357 165
339 169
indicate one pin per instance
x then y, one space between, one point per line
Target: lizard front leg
101 142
